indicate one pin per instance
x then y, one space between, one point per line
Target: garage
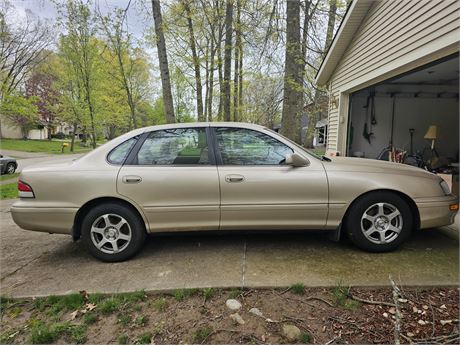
411 118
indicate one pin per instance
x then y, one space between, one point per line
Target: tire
112 232
371 230
10 168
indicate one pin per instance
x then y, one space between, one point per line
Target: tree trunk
330 25
163 59
237 72
196 62
290 122
228 59
211 80
206 82
72 141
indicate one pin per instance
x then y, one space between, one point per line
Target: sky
138 17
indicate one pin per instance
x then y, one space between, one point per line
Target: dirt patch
429 315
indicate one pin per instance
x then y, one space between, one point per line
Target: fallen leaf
422 322
402 300
415 309
425 307
392 310
90 306
446 322
443 306
409 334
74 314
385 314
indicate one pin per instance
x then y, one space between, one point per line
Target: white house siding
395 36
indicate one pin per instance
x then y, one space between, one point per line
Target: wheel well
76 231
405 197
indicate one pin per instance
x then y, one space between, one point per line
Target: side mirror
296 160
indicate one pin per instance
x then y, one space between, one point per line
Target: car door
259 191
172 175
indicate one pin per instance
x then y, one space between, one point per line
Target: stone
291 332
233 304
237 318
256 312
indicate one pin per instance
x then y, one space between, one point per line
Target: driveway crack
20 268
243 266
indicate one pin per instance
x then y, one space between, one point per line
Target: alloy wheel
111 233
381 223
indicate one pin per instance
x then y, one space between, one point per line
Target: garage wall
394 37
417 113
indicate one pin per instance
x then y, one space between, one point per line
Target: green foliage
141 320
53 146
122 339
96 298
109 305
234 292
340 295
89 318
144 338
207 293
20 112
201 334
298 289
9 176
182 294
305 338
124 319
42 333
8 191
160 304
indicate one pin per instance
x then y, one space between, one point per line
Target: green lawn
8 191
8 176
53 146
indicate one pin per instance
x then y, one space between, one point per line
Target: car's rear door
259 191
172 175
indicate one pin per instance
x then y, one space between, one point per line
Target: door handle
234 178
131 179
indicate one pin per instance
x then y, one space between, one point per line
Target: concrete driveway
36 264
26 159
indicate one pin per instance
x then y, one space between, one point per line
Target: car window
119 153
175 147
239 146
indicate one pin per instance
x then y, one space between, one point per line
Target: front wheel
113 232
379 222
10 168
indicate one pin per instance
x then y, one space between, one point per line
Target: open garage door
413 118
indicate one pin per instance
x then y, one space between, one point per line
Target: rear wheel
379 222
113 232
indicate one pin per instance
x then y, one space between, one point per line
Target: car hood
349 164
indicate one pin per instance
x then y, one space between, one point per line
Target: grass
122 339
305 338
340 295
109 305
207 293
9 191
47 146
182 294
89 318
234 293
124 319
298 289
141 320
8 176
160 304
42 333
144 338
201 334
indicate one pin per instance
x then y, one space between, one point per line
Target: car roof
205 124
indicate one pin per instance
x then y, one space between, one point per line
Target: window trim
219 156
131 160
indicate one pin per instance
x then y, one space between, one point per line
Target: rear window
118 154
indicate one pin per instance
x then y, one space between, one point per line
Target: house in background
393 70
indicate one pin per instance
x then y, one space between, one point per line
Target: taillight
25 191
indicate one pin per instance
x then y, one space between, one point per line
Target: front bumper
435 212
46 219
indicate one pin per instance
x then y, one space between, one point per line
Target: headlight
445 187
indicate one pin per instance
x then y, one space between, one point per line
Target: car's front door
259 191
173 177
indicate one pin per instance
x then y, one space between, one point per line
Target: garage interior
423 103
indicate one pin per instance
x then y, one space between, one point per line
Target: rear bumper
435 212
46 219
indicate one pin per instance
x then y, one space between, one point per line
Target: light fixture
432 134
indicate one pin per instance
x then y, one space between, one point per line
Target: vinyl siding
394 37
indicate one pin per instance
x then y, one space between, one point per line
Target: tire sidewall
137 232
7 171
362 204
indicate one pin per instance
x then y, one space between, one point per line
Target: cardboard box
452 181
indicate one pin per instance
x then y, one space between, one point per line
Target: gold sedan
225 176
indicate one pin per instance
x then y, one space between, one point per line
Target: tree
163 60
82 50
227 60
238 61
40 85
20 112
196 61
293 82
